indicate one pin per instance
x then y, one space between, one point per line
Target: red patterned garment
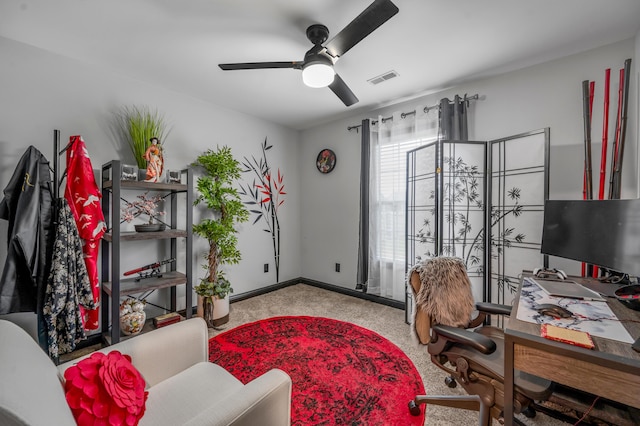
83 195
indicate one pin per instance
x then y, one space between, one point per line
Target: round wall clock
326 161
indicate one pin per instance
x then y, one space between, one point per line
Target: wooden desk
611 371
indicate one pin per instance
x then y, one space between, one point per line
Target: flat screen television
604 233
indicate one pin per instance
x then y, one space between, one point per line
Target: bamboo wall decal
267 192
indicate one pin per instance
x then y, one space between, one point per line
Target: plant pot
213 310
150 227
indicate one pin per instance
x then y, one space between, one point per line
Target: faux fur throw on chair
445 291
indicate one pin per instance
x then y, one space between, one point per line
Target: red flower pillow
105 390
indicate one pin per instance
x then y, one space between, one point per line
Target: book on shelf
164 324
166 319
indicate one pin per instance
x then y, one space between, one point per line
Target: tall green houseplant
216 192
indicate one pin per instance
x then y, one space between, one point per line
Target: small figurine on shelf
155 161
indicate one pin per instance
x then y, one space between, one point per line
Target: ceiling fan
317 66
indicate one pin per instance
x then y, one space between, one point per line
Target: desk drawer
587 376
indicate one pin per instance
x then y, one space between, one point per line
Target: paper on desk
596 318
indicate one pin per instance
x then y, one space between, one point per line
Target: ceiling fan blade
340 88
379 12
261 65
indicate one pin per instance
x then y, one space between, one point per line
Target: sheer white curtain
390 140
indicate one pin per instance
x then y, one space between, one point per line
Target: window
391 202
385 143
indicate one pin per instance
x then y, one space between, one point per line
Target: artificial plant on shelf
139 125
144 205
216 192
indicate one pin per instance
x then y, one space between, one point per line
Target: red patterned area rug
342 374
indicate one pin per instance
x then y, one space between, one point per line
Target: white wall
41 91
546 95
330 205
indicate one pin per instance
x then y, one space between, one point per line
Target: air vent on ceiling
383 77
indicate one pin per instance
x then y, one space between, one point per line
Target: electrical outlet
266 267
337 267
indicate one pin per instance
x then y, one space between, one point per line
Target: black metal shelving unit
113 286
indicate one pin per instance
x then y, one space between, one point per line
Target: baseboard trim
355 293
264 290
331 287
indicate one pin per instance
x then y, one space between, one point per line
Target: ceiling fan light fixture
317 66
318 74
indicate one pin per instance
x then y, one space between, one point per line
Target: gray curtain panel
453 119
363 246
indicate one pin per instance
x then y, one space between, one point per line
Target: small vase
132 317
132 324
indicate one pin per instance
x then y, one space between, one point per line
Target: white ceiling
431 44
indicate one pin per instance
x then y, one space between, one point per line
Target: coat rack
57 179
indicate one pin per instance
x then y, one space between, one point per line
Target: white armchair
184 388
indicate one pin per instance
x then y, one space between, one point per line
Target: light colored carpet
389 322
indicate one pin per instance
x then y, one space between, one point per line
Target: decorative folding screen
448 185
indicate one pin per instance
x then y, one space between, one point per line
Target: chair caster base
516 421
414 409
450 382
529 412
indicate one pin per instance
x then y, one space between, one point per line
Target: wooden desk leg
508 381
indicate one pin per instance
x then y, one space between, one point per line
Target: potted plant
140 125
144 205
216 193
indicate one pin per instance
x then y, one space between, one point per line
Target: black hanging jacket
27 205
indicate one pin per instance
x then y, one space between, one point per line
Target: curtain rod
406 114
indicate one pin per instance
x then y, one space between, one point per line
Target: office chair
470 352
